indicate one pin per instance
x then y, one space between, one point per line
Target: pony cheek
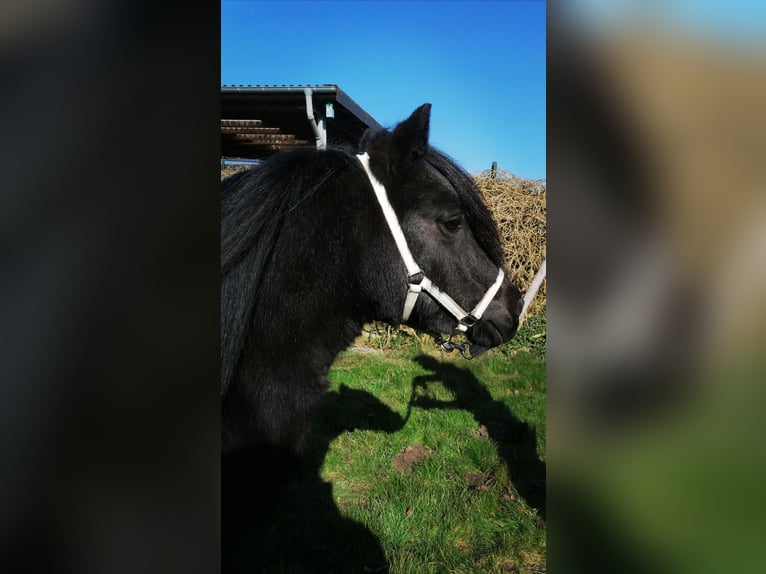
430 318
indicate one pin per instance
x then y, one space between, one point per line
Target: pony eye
453 225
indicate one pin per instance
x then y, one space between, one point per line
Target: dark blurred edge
110 293
599 171
655 362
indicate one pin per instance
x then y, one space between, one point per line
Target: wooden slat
274 145
248 130
264 138
240 123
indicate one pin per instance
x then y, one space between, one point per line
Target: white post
534 287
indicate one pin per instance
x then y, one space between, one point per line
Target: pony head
446 239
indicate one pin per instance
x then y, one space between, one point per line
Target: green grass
475 503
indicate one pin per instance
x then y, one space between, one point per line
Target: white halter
416 278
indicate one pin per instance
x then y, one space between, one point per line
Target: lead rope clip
447 345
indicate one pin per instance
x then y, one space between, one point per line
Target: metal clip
448 346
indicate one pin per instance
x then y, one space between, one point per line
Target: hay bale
519 208
230 170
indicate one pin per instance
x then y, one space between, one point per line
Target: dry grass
230 170
519 208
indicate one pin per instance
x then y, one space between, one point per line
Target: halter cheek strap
417 281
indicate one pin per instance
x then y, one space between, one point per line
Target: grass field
420 462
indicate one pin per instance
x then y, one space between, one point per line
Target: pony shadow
515 440
297 527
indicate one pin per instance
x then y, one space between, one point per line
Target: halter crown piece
416 278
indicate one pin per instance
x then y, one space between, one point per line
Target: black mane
253 203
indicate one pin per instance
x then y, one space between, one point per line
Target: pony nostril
519 306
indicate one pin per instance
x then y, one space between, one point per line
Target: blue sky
481 65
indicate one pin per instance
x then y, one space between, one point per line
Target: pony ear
409 140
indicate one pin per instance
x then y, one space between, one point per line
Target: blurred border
110 304
657 286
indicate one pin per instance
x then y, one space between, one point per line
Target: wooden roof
257 121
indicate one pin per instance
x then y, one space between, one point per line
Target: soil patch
409 457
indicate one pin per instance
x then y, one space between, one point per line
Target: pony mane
253 205
477 214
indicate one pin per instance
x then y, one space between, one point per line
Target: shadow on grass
515 440
299 527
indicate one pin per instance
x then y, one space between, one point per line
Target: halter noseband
416 278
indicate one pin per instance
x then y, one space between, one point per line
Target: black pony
307 258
